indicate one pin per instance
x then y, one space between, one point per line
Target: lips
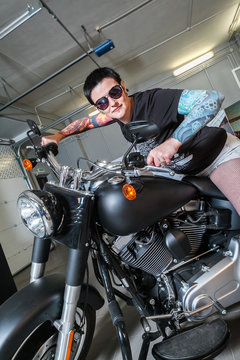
118 108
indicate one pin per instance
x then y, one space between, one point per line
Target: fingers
46 141
49 139
43 141
163 153
156 159
150 160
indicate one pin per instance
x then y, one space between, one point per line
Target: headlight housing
40 211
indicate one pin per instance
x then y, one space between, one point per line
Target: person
182 117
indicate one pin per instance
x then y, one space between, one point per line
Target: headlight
40 211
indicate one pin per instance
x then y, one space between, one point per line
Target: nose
112 102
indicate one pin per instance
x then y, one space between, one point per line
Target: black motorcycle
173 245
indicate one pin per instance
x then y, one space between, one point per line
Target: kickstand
147 338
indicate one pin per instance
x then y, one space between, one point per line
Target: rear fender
38 302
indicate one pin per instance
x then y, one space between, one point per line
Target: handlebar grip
180 163
52 147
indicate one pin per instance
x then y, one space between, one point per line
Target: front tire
41 344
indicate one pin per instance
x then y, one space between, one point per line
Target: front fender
38 302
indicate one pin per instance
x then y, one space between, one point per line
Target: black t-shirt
161 106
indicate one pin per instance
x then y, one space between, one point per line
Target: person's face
117 108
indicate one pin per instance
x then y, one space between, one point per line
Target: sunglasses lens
115 92
102 103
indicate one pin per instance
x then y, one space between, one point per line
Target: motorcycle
168 247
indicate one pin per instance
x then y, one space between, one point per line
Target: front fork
41 249
77 263
75 272
66 324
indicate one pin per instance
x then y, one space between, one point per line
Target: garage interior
44 62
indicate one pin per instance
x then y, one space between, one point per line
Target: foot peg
205 341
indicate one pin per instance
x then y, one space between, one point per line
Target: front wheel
41 344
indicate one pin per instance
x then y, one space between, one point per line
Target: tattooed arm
79 126
200 107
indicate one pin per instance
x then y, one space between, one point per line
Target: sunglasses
115 93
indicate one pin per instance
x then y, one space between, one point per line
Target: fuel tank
156 198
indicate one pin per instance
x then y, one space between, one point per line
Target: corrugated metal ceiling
151 40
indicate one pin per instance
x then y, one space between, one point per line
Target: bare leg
227 178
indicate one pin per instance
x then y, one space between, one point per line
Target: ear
124 87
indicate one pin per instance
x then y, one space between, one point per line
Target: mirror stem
124 160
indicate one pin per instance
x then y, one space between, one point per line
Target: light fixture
31 10
193 63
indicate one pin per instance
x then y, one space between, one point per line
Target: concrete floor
105 343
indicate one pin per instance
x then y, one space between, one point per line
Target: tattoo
188 99
200 106
86 123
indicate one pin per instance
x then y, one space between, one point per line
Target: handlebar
99 170
130 165
78 176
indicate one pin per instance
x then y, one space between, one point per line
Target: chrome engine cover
220 283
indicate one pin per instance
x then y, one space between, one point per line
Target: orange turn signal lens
27 164
129 192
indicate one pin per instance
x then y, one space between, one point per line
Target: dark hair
95 77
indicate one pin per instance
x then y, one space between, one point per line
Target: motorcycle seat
205 186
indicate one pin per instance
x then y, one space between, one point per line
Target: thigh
227 178
230 151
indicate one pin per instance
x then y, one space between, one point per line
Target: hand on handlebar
56 138
162 154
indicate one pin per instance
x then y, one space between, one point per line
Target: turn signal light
27 164
129 192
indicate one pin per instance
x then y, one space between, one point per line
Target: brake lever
161 169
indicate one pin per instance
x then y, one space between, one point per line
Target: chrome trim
77 178
63 175
221 284
37 271
41 208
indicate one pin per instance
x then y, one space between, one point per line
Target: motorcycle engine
167 247
176 238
